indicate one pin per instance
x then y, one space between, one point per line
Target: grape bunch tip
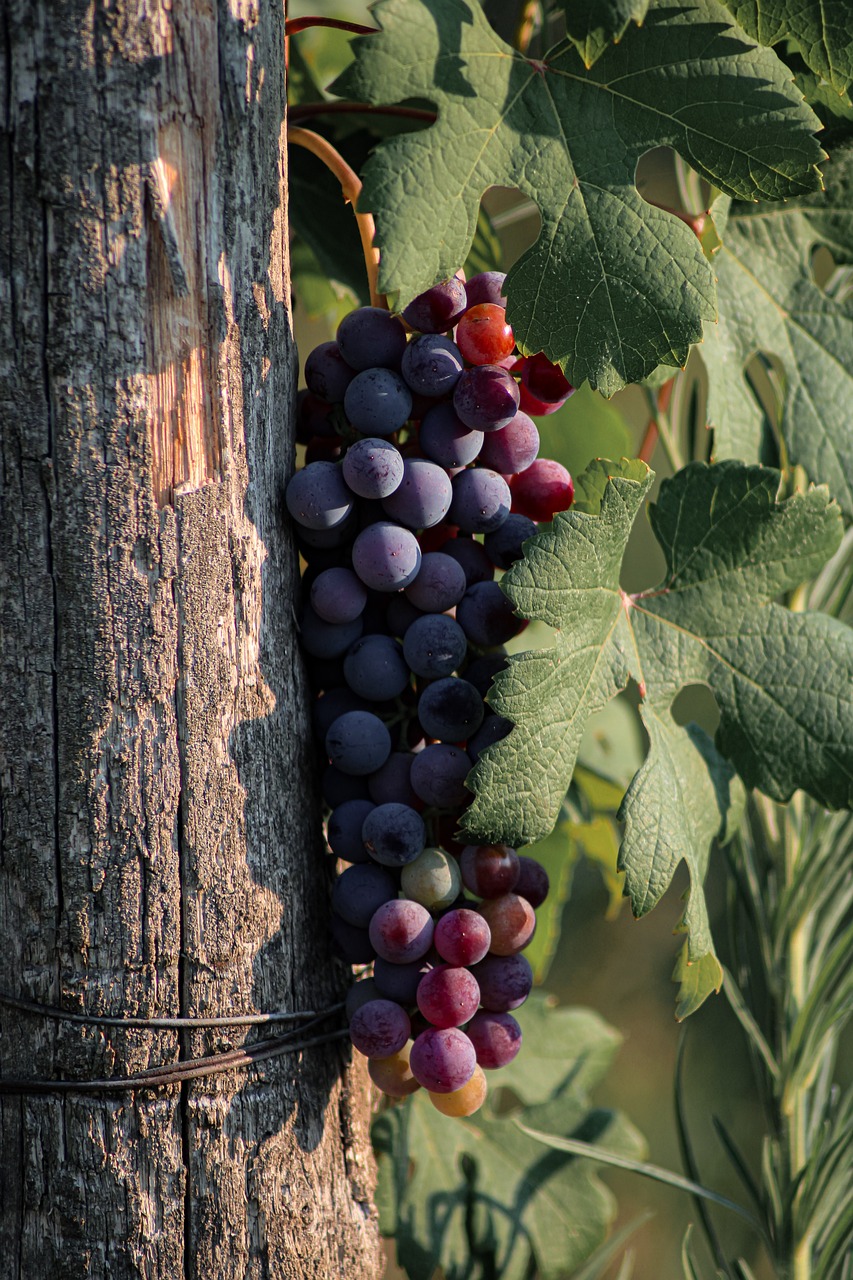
421 481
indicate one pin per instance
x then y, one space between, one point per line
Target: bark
159 842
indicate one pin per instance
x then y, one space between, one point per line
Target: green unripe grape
433 879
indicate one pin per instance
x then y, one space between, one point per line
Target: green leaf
821 30
783 681
613 286
592 25
321 217
769 302
459 1192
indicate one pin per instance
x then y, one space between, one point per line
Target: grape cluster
421 481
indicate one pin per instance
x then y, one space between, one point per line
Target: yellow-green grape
433 879
393 1075
464 1101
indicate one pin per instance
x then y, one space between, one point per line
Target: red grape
462 937
483 335
496 1037
542 489
442 1059
512 922
489 870
545 381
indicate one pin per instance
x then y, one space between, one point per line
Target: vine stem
526 25
351 188
294 25
795 1107
652 434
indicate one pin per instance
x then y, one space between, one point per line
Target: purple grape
358 742
351 944
401 931
472 557
438 309
440 583
386 557
438 776
486 615
359 994
399 981
376 669
379 1028
434 646
401 614
317 496
338 788
445 439
449 709
327 639
360 891
513 448
327 539
373 467
391 784
481 501
504 545
371 338
343 830
338 596
422 497
448 996
505 982
486 397
393 834
496 1038
482 671
486 287
432 365
324 673
377 402
492 730
329 706
462 937
533 883
442 1060
313 418
327 373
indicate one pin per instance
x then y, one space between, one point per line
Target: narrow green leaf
597 1265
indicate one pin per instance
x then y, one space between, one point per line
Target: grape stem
527 23
351 188
294 25
653 430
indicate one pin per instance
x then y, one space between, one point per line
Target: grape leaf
591 25
783 681
821 29
453 1190
613 286
769 302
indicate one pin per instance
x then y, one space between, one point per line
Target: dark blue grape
327 373
490 731
330 705
339 787
376 669
353 945
481 500
439 773
386 557
438 309
486 287
423 496
337 595
327 539
401 613
440 583
486 615
377 402
504 545
317 496
450 709
343 830
445 439
472 557
391 784
399 981
358 742
432 365
373 468
360 891
371 338
394 834
486 397
481 672
434 646
327 639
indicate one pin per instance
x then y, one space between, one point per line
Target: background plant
758 233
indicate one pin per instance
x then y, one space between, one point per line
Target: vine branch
351 188
293 25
